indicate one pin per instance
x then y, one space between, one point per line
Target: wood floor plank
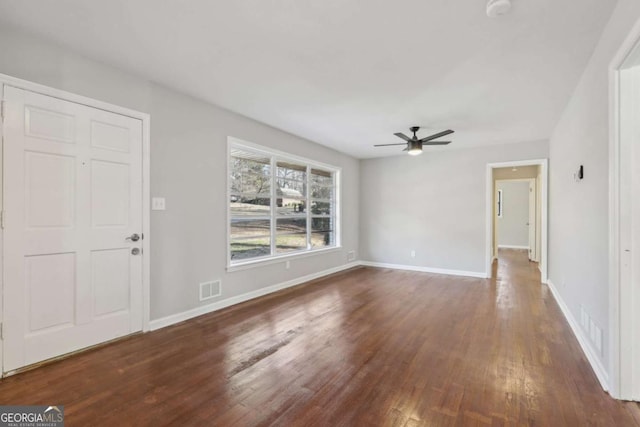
366 347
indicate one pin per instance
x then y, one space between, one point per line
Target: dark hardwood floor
366 347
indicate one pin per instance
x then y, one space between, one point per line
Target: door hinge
2 220
1 332
2 108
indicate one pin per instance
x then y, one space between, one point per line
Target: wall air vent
209 290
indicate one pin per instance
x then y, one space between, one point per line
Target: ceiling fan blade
437 135
387 145
403 136
436 143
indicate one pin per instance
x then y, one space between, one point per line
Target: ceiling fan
414 145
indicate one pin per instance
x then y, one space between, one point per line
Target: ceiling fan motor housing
498 7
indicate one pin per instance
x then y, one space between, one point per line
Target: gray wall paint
578 211
512 227
434 204
188 167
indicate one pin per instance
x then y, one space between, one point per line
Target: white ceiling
345 73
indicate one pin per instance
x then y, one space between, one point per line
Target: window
499 203
279 204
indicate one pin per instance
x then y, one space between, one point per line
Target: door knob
134 237
135 251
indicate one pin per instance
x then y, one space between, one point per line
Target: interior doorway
517 211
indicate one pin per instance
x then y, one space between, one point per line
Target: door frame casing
621 305
145 118
544 172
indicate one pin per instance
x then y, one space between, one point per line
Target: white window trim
271 259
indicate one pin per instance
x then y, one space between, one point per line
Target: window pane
319 240
250 248
321 224
290 189
243 228
292 207
250 206
322 192
291 225
320 208
291 234
291 185
320 177
291 171
291 242
250 173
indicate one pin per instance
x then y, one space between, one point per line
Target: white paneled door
72 202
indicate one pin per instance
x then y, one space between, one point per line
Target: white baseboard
482 275
588 350
218 305
512 247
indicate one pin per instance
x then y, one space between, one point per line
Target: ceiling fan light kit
497 8
415 148
414 145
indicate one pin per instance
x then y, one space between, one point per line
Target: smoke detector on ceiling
498 8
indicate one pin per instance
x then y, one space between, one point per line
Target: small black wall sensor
579 173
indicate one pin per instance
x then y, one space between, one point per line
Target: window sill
280 258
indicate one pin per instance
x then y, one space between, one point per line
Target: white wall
512 229
578 211
188 167
434 204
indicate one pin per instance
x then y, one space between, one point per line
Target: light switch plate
158 204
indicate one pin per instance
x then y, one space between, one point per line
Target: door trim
146 181
621 333
544 172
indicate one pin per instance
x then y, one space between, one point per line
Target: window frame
276 156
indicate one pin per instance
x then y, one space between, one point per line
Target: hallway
364 347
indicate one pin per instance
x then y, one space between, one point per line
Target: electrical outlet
351 256
413 254
287 264
158 204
